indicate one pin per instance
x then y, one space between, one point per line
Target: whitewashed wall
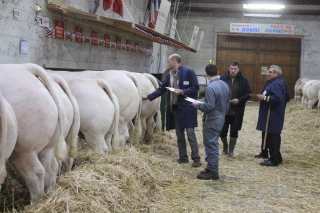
306 26
51 52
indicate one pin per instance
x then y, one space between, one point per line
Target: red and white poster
150 50
136 47
107 40
118 43
128 45
94 38
79 34
59 30
141 49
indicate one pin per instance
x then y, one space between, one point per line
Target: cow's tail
39 72
3 137
155 83
72 137
135 135
115 141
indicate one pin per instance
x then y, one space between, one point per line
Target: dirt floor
146 178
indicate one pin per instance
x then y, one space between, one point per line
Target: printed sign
136 47
23 46
281 29
43 21
94 38
79 34
107 40
59 30
128 45
118 43
194 35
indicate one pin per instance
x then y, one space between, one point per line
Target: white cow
71 117
8 135
305 89
40 122
148 84
99 113
298 88
312 94
124 85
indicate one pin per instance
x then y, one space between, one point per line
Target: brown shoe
208 176
196 162
182 161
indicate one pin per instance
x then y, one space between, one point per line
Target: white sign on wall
280 29
194 35
173 28
162 16
23 46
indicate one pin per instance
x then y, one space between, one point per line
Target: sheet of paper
192 100
171 89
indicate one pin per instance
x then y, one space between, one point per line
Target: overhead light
263 15
264 6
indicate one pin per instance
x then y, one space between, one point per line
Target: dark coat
187 115
275 90
244 93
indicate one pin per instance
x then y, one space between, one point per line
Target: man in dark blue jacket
180 115
273 98
240 94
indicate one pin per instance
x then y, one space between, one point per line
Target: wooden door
256 52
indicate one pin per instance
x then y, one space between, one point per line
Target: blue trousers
211 145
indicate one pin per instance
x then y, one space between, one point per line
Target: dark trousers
229 120
181 140
273 145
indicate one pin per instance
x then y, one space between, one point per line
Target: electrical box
16 13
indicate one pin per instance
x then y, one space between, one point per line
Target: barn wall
306 26
56 53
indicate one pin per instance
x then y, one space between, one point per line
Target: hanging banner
162 16
59 30
107 40
94 38
101 42
128 45
118 43
173 28
68 36
79 34
200 41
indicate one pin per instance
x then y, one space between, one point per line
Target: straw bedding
146 179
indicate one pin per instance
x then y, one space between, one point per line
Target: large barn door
255 54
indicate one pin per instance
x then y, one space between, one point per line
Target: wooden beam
286 2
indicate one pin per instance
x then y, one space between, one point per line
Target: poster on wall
141 48
264 70
162 16
59 30
23 46
79 34
150 50
107 40
94 38
136 47
128 45
118 43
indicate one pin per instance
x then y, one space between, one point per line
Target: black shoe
261 155
182 161
196 162
205 171
268 163
208 176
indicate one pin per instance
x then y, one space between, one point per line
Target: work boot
205 171
262 154
208 176
232 144
196 162
225 145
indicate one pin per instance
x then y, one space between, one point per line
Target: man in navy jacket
274 97
180 115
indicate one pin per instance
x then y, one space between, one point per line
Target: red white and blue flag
49 32
68 36
152 12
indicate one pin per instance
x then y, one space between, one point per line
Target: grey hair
276 69
176 57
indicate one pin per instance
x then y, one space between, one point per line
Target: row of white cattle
307 91
42 112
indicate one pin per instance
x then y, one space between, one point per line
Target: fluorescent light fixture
264 6
263 15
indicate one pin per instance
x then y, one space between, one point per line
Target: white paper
171 89
192 100
23 46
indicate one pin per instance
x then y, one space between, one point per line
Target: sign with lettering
59 30
280 29
118 43
79 34
128 45
107 40
94 38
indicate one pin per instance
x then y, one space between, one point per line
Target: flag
153 9
95 5
107 4
49 32
68 36
118 7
